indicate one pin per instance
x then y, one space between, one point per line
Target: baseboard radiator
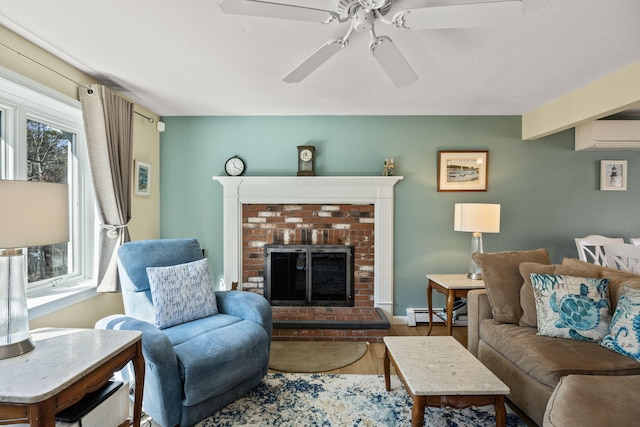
421 315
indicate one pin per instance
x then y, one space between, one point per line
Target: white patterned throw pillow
571 307
624 337
181 293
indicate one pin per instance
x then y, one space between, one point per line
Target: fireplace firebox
320 275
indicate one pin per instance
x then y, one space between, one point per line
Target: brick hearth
329 324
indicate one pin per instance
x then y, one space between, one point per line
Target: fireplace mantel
376 190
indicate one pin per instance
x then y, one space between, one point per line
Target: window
42 139
48 159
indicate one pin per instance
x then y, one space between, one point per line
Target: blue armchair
195 368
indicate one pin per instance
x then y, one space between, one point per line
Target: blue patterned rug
341 400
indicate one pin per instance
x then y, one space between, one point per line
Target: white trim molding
376 190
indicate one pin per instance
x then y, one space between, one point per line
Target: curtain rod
149 119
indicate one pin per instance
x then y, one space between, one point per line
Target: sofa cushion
213 360
527 301
181 293
548 359
616 279
501 274
607 407
624 337
571 307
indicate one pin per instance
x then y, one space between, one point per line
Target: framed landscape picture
141 179
613 175
462 170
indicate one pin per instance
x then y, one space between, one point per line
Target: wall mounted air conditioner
608 135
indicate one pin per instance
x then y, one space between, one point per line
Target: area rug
314 356
341 400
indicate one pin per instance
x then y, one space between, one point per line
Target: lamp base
16 348
14 314
474 276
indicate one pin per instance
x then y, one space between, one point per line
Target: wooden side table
65 365
452 285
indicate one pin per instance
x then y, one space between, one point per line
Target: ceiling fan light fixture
363 21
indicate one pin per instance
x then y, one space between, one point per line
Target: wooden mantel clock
306 160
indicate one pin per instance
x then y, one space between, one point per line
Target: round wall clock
234 166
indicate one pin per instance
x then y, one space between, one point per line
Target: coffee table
439 371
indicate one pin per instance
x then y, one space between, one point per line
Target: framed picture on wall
142 178
463 170
613 175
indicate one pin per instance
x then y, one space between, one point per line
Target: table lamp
476 218
32 214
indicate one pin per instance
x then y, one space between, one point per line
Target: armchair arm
478 309
246 305
162 382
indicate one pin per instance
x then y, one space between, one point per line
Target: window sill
58 298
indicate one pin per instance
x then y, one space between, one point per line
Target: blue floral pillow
624 337
181 293
571 307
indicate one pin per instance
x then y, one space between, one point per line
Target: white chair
590 247
623 256
635 241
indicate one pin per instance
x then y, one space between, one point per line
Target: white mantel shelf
376 190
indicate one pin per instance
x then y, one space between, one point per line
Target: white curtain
108 122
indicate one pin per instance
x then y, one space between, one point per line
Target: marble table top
439 366
61 357
456 281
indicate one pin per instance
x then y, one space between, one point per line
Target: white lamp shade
33 213
477 217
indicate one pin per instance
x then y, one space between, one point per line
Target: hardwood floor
371 362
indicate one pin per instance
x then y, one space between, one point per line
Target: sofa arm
478 309
248 306
162 382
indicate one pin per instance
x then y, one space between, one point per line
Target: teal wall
549 193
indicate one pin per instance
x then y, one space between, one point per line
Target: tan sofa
502 337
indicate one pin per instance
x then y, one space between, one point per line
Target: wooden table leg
430 305
42 414
417 412
387 370
138 367
501 412
451 296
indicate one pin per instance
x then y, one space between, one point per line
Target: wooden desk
452 285
65 365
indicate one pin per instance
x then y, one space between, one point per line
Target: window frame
20 100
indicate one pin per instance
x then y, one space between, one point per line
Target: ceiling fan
362 15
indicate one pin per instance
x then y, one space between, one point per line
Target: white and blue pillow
571 307
181 293
624 337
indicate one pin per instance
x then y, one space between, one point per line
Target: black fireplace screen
309 275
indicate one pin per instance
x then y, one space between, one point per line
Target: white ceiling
182 58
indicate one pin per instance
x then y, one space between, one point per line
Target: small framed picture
462 170
613 175
142 178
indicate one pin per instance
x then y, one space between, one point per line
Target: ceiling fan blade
468 15
393 62
318 58
277 10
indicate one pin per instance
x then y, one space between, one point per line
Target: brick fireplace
294 224
355 211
